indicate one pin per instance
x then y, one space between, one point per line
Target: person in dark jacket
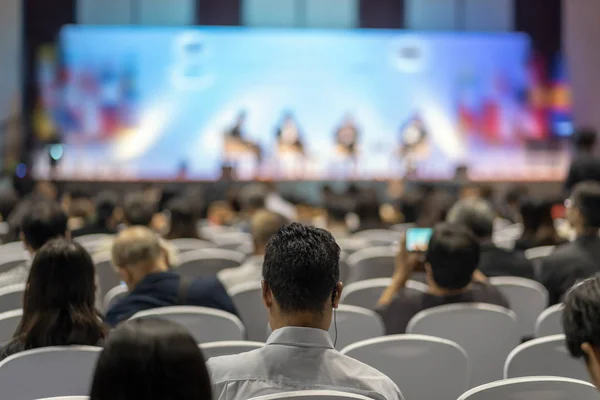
585 166
142 264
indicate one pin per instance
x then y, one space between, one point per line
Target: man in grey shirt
300 290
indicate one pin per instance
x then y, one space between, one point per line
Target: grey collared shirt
296 359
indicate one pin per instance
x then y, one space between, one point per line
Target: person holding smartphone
450 254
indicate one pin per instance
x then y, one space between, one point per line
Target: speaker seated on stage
477 215
346 137
300 290
141 262
235 143
451 262
289 137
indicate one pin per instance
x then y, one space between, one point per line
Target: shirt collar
151 279
301 337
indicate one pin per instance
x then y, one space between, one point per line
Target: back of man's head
138 210
453 255
105 203
585 139
43 221
586 198
302 268
134 246
474 213
264 225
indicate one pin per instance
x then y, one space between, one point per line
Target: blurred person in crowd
581 324
451 263
141 262
581 258
42 221
538 226
434 207
367 211
277 204
45 190
405 202
106 217
139 209
585 166
80 209
264 224
252 198
477 215
220 213
183 221
510 209
300 290
150 359
336 212
8 202
58 305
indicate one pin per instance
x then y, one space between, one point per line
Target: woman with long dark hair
184 222
58 306
150 359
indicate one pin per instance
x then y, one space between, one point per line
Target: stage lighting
56 151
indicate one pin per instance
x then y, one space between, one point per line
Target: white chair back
48 371
312 395
366 293
527 298
538 252
414 362
204 324
189 244
350 245
547 356
231 240
247 299
402 227
370 263
488 333
344 269
378 237
208 262
105 272
353 325
9 321
10 261
12 249
549 321
11 297
113 296
95 242
228 348
534 388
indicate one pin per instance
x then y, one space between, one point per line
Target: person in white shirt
263 225
300 290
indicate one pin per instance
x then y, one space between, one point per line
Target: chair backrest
402 227
204 324
113 296
11 297
350 245
366 293
344 269
208 262
538 252
188 244
370 263
527 298
105 272
231 240
247 299
547 356
228 348
12 248
549 321
48 371
423 367
95 242
12 260
488 333
353 325
534 388
378 237
9 321
312 395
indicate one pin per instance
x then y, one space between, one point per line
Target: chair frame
310 393
513 381
245 287
401 338
202 244
17 287
544 314
225 343
111 295
211 253
369 252
379 282
50 349
531 254
526 345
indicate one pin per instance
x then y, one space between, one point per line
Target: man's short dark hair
453 254
302 267
586 198
581 315
138 210
476 214
105 202
585 138
45 220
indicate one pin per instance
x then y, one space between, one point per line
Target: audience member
477 215
510 209
581 258
336 212
105 220
150 359
434 207
41 222
538 226
451 268
300 289
58 306
585 166
139 210
183 222
141 262
367 210
264 225
8 202
581 324
80 209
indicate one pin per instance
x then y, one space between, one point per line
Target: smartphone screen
558 211
417 239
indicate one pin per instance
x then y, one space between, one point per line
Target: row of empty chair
423 367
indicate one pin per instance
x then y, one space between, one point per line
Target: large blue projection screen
164 103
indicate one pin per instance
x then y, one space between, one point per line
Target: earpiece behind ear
333 296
